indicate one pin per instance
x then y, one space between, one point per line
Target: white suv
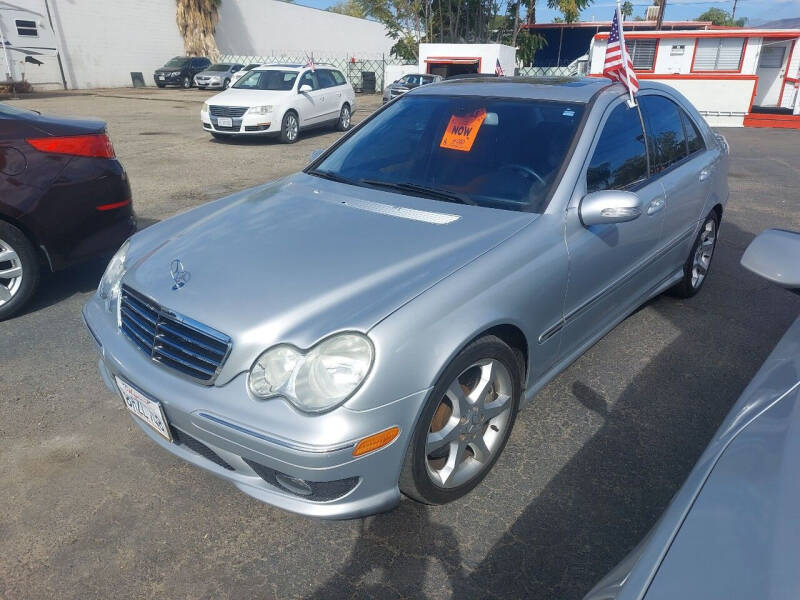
281 100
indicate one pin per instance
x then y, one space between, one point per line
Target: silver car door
686 177
612 266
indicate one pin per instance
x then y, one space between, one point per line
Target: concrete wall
102 41
274 28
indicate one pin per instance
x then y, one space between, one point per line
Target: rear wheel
465 424
19 270
290 128
343 124
696 268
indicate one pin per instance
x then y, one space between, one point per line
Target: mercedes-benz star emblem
179 275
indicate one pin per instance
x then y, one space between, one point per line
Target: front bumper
244 125
165 79
208 83
248 440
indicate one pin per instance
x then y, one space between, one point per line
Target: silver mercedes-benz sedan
372 324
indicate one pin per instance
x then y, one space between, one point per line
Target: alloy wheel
704 252
468 426
291 128
10 272
344 118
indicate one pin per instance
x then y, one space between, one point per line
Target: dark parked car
180 71
408 82
64 198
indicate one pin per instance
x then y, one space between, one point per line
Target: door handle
656 205
704 174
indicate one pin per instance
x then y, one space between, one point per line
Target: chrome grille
227 111
171 339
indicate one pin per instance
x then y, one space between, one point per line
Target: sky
758 11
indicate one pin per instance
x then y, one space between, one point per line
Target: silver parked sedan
219 75
373 323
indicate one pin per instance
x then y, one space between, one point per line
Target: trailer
27 41
735 77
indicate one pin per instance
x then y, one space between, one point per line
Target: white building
457 59
100 42
733 76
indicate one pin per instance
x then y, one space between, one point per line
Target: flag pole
624 54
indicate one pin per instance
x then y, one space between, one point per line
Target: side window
620 158
338 77
26 28
693 137
308 78
325 78
665 134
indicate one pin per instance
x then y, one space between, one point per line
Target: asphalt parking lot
90 508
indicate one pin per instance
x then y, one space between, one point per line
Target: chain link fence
365 73
569 71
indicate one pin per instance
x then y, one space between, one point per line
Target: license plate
161 77
225 122
146 409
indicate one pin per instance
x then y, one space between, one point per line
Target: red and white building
735 77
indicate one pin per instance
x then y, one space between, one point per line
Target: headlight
204 108
110 284
259 110
175 73
316 380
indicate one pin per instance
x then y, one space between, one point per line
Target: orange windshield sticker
462 131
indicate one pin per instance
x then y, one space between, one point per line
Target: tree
718 16
626 9
351 8
197 20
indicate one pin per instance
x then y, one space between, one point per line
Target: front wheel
343 124
289 128
226 84
695 270
187 83
465 424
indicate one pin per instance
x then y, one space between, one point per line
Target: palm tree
197 20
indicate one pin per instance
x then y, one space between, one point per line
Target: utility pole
733 12
661 6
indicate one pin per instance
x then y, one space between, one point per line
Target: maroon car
64 198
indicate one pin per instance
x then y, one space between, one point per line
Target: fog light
376 441
294 484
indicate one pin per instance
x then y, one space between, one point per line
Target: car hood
239 97
213 74
304 257
168 69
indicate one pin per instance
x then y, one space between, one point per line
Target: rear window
494 152
267 80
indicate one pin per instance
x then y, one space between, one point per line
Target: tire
290 128
432 474
345 116
697 265
17 254
187 83
226 84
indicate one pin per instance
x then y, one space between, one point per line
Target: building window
643 53
26 28
718 54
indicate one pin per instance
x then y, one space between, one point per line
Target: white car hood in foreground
237 97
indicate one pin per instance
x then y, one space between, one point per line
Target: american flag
498 70
618 65
310 61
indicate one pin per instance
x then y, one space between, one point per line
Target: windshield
267 80
178 61
218 68
493 152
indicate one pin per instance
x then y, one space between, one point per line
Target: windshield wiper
424 190
332 176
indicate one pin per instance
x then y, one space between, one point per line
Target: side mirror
315 154
304 89
609 206
775 255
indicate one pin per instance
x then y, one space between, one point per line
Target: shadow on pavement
608 495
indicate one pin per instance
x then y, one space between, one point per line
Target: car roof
294 67
567 89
